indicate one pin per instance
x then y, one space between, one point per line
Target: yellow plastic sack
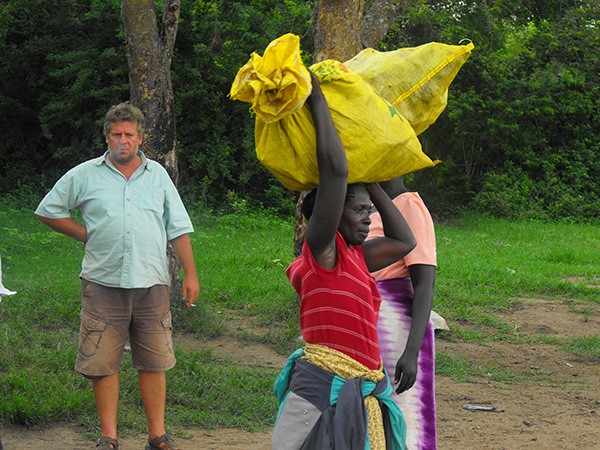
415 80
276 84
380 143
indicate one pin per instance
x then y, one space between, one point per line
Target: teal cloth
397 422
283 380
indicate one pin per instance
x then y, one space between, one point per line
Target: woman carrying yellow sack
406 333
334 392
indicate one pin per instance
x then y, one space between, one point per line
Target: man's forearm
66 226
182 247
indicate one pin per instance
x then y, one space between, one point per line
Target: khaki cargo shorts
112 316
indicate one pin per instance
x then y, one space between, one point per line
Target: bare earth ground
557 406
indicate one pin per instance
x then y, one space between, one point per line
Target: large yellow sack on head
380 144
415 80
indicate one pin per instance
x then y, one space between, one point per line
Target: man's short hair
123 112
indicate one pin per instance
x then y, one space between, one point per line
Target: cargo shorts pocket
90 333
167 325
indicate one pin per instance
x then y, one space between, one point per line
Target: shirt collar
104 159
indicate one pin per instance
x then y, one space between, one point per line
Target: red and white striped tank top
338 307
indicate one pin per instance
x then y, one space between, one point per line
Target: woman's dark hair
308 203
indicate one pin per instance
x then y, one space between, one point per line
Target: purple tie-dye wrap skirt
418 403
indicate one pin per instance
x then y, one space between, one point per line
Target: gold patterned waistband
339 363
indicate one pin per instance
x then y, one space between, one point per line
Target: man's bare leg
153 389
106 391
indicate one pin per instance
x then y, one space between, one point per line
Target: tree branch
169 30
377 21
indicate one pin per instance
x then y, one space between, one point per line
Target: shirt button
305 412
305 424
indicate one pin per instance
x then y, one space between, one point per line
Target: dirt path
63 437
555 404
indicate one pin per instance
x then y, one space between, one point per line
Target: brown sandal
107 443
164 442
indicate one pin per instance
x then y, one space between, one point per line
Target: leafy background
519 138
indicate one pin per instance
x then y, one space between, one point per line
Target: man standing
131 209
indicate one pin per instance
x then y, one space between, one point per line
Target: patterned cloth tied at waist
329 400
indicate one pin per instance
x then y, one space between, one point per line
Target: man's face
356 220
123 141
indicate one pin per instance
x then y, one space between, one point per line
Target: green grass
485 266
462 371
588 346
488 265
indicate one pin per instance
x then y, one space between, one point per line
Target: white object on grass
3 290
439 323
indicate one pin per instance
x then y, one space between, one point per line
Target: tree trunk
340 32
149 55
377 20
336 28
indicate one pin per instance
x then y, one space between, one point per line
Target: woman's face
355 222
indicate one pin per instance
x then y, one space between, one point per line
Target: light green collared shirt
128 221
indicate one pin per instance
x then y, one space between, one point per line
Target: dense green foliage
63 64
216 134
518 139
520 136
